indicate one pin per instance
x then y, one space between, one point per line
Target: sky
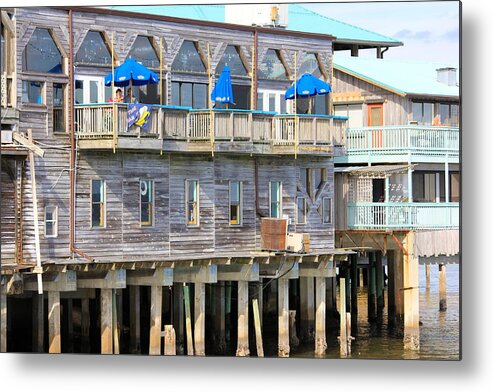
429 30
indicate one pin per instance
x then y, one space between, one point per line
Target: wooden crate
273 233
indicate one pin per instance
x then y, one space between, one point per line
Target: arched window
232 59
143 52
188 59
272 67
309 64
93 50
41 53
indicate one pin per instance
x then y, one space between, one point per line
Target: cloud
451 35
424 35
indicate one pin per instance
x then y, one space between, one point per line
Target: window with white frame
146 202
235 203
51 221
275 199
192 202
98 203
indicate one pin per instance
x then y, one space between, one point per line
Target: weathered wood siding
396 109
7 222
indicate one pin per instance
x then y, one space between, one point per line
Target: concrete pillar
38 322
85 324
55 345
242 347
199 326
156 320
283 317
307 313
379 284
3 315
134 297
442 290
427 267
372 290
106 321
220 318
320 333
411 295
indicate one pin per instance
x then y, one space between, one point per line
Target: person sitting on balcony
436 121
118 96
129 98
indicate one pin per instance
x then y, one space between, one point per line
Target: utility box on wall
273 233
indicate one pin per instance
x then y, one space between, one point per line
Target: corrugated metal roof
402 77
299 19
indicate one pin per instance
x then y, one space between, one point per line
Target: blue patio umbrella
131 73
223 90
308 86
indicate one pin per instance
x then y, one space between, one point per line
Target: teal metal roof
403 77
299 19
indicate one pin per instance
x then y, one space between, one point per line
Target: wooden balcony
407 143
416 216
176 129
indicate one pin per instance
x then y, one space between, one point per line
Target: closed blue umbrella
308 86
131 73
223 90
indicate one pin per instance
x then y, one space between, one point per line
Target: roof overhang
380 171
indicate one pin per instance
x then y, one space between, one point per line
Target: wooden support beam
323 269
343 350
3 314
179 318
379 284
242 349
114 321
15 284
55 344
27 142
195 274
8 23
411 296
106 321
134 319
220 318
78 294
156 316
188 319
68 317
238 272
354 285
169 340
307 309
258 328
427 267
289 269
52 281
320 306
38 322
372 290
85 325
283 317
155 277
199 325
442 287
112 279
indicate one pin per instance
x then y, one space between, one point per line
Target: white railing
403 215
398 140
99 121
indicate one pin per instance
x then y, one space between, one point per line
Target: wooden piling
258 328
379 284
134 297
372 290
199 326
361 279
106 321
320 333
283 317
3 315
188 319
242 347
391 296
156 320
342 327
442 289
169 340
220 318
411 295
85 325
55 346
354 283
38 322
307 311
427 268
179 318
69 317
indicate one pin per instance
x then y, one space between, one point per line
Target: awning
380 171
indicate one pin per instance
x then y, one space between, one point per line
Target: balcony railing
403 215
414 140
98 121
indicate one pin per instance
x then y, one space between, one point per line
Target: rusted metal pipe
72 131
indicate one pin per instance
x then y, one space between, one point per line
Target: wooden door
375 119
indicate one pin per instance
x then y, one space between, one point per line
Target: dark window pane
454 115
41 53
188 59
49 228
234 192
58 107
283 104
309 64
96 215
186 98
32 92
260 101
418 112
79 91
241 95
232 59
199 96
428 113
143 52
175 93
272 67
319 104
272 102
97 191
444 114
145 213
301 210
93 50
